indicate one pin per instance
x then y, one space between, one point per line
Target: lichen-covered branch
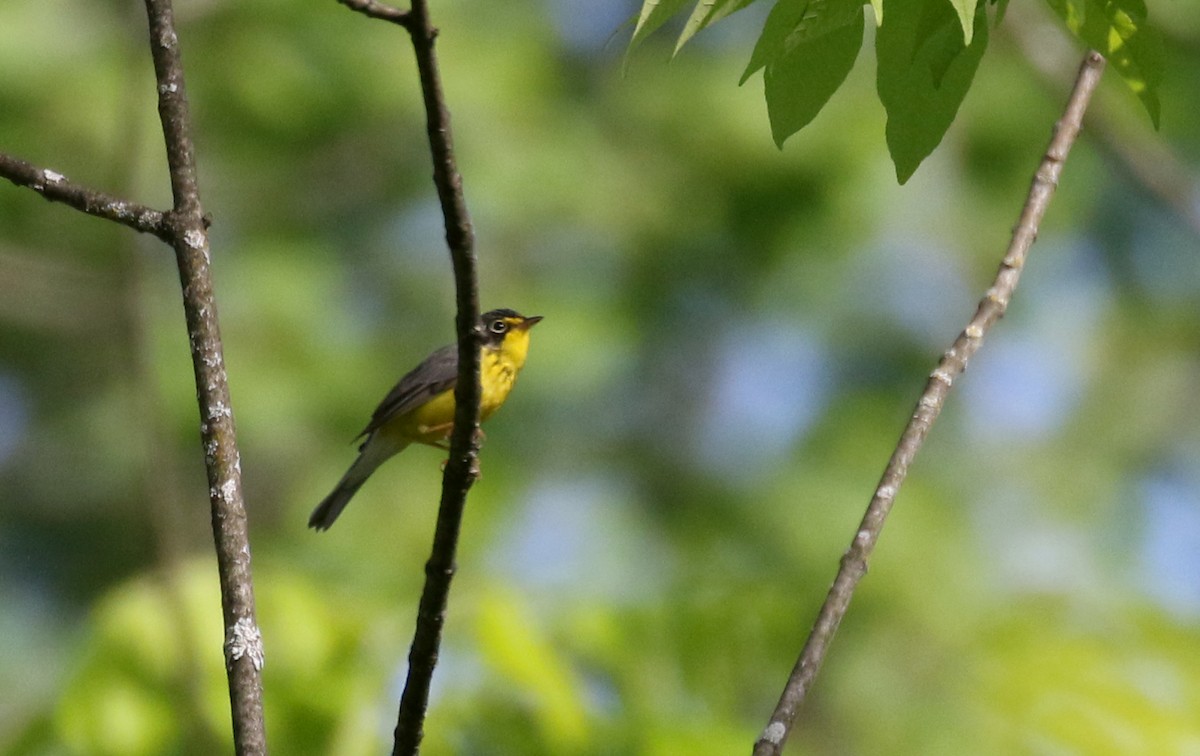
189 237
58 188
185 229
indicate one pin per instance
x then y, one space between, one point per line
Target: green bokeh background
734 337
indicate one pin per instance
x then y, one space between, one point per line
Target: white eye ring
498 326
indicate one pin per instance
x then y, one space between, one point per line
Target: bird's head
508 330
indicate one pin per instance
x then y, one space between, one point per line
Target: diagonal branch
243 641
462 466
57 188
991 308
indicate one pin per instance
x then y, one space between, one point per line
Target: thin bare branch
58 188
243 641
991 308
462 466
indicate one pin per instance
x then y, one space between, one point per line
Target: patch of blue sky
917 286
14 415
592 27
579 539
605 28
1032 551
1036 365
771 381
1169 549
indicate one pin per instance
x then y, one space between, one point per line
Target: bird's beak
530 322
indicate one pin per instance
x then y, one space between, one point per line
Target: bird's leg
444 429
437 430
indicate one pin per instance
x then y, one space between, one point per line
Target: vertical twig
162 498
462 467
954 361
243 641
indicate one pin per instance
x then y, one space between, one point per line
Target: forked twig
243 641
184 227
58 188
991 308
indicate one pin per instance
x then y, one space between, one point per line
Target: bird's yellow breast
499 365
498 370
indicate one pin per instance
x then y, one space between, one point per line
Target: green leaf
924 73
792 23
1120 29
877 6
534 668
705 14
966 16
653 15
799 82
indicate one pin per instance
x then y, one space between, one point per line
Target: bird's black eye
498 326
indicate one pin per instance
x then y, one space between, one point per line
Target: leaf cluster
927 53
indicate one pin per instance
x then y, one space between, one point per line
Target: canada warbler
420 409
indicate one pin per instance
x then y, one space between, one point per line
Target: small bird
420 409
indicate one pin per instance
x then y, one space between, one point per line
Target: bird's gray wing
436 374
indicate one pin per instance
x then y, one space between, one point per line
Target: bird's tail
374 452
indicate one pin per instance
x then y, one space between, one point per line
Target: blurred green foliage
734 337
